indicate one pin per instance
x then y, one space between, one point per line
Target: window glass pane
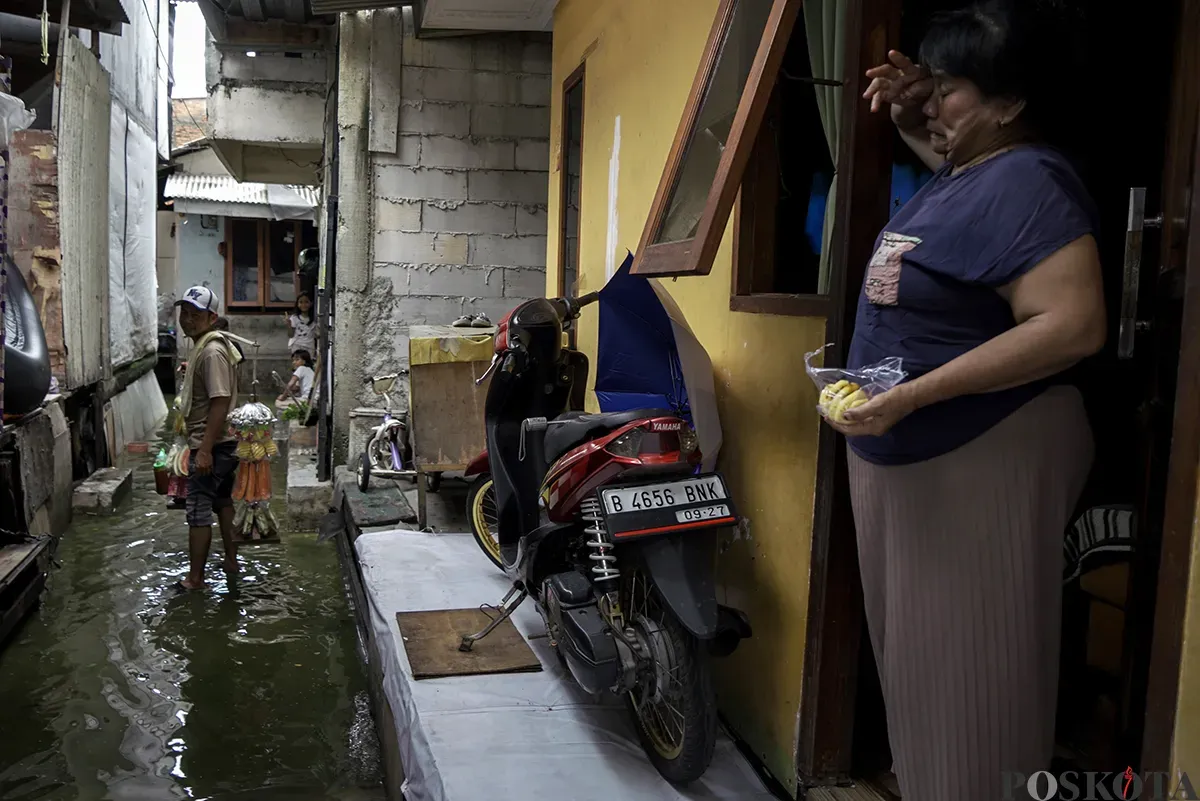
572 155
244 257
707 139
281 272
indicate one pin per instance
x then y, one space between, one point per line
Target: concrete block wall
271 97
459 210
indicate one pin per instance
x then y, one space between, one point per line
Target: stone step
104 491
308 498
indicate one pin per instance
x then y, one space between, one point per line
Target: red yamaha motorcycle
607 522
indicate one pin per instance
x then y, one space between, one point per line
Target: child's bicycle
387 453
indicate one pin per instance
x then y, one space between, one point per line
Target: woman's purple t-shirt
930 292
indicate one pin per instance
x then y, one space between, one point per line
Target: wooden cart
445 404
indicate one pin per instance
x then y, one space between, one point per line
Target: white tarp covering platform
509 736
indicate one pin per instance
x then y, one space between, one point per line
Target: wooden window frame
695 256
262 305
754 232
575 79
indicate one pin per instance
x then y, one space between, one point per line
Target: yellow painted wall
641 58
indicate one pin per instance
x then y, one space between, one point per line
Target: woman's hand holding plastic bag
864 402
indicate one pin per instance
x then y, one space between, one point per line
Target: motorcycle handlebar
573 306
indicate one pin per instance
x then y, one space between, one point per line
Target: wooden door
1167 329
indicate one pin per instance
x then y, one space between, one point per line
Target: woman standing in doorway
963 478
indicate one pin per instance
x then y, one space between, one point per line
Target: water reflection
120 688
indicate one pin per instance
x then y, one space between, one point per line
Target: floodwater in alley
118 687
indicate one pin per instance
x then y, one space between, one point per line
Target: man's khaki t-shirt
213 376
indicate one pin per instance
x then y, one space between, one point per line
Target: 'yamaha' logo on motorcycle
676 426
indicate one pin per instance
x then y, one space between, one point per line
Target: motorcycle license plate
661 507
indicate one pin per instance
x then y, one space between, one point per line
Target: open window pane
712 146
708 138
243 257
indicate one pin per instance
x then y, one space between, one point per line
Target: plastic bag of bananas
252 425
842 389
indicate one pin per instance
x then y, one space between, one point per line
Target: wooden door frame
1183 470
825 723
578 78
1179 519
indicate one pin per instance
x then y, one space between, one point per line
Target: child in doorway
302 326
300 387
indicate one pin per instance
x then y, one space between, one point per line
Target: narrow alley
590 386
119 687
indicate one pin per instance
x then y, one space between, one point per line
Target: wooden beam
276 35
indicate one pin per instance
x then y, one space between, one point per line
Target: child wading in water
302 325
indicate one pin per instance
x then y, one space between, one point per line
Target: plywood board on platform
431 641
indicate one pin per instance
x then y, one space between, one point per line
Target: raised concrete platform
104 491
503 736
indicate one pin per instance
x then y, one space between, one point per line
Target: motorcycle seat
572 429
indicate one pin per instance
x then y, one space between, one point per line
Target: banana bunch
836 398
255 521
252 451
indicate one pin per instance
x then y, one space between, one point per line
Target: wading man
209 392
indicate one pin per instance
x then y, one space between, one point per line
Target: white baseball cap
202 298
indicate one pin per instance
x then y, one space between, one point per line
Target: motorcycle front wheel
481 511
674 705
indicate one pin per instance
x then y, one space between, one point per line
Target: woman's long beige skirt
962 560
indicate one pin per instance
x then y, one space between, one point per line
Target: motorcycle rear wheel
676 723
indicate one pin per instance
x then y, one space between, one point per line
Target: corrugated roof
226 189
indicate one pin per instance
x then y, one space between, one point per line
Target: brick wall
460 208
190 120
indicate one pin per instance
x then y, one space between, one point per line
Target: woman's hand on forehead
898 82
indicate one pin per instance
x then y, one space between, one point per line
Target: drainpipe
353 220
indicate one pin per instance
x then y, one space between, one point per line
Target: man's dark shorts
212 490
